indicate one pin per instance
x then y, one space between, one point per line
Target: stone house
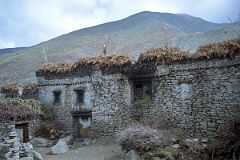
98 96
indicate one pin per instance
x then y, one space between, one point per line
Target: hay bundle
226 49
55 68
163 55
102 62
8 88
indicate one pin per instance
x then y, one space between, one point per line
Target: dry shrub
102 62
14 87
30 86
227 144
55 68
9 112
141 138
226 49
50 129
163 55
38 108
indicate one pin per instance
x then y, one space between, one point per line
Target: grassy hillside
132 35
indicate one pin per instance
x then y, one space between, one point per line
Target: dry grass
10 112
141 138
102 62
226 49
163 55
10 87
30 86
55 68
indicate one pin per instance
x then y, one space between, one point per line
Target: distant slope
131 36
11 50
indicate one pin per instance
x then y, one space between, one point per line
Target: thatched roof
14 87
30 87
15 113
115 63
102 62
24 109
163 55
226 49
55 68
91 63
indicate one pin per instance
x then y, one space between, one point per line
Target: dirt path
101 149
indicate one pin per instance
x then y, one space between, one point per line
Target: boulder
68 139
176 146
25 158
39 142
37 156
60 147
132 155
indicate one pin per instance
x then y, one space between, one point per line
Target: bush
51 130
43 111
227 143
141 138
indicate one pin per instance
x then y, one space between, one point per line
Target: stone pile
10 145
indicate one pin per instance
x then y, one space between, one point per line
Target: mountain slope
131 36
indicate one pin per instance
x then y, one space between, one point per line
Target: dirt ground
100 149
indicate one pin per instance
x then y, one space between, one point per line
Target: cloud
28 22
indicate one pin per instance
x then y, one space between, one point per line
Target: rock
60 147
87 141
9 141
68 139
25 158
176 146
174 140
39 142
188 142
132 155
37 156
204 140
195 140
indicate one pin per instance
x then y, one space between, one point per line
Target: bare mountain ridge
132 35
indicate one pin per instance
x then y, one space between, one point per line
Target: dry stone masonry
198 96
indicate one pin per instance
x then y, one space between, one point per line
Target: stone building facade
198 96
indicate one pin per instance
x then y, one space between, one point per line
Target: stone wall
107 96
199 97
196 96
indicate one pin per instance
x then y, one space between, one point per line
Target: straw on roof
13 87
55 68
163 55
103 61
15 113
226 49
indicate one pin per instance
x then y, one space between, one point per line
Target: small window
57 97
79 97
142 90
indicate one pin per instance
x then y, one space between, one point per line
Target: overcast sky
28 22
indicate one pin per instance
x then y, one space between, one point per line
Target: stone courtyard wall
196 96
199 97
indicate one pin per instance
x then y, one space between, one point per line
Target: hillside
132 36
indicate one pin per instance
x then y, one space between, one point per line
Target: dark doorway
22 130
